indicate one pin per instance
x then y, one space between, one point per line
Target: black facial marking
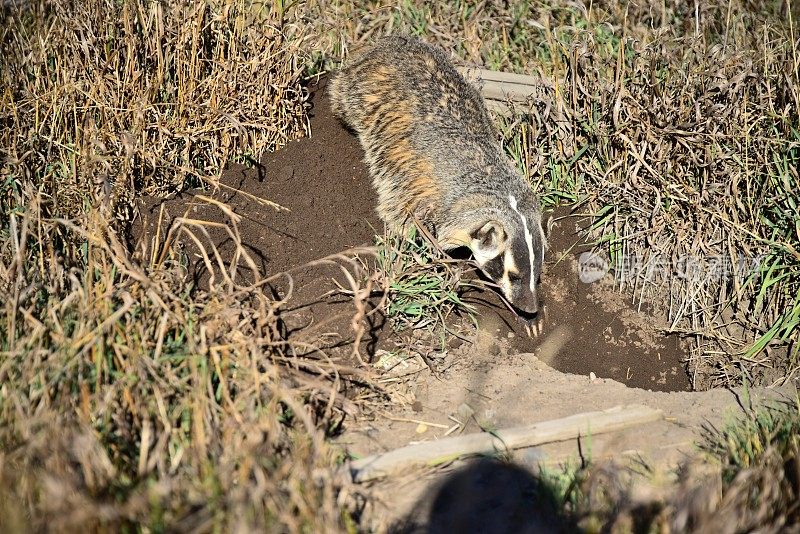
523 263
494 268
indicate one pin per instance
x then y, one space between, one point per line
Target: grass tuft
760 456
423 286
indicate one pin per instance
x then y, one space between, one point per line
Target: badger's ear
487 242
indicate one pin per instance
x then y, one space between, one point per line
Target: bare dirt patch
482 396
329 203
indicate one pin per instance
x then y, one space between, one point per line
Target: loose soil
328 206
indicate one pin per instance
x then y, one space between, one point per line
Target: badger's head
509 248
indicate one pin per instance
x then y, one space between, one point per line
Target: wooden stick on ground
501 85
448 449
471 73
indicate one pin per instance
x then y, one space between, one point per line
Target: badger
435 158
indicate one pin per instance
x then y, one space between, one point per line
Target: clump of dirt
329 204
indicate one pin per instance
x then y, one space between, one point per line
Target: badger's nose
529 303
532 308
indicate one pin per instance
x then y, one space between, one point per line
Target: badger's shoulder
400 71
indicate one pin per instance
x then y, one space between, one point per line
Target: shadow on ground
488 496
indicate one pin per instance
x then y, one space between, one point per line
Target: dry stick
502 85
504 92
498 76
448 449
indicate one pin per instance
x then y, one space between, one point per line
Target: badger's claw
534 326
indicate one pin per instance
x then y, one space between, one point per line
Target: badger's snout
521 293
521 268
526 301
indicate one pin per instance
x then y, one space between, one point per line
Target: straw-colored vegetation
130 399
127 398
760 455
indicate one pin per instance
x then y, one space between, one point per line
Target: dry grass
760 456
107 100
129 399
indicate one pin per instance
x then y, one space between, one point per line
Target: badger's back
425 131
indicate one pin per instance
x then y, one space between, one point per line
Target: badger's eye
514 277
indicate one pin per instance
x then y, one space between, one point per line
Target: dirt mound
329 203
325 206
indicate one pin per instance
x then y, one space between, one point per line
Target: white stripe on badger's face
528 239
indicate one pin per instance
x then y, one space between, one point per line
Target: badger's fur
432 153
